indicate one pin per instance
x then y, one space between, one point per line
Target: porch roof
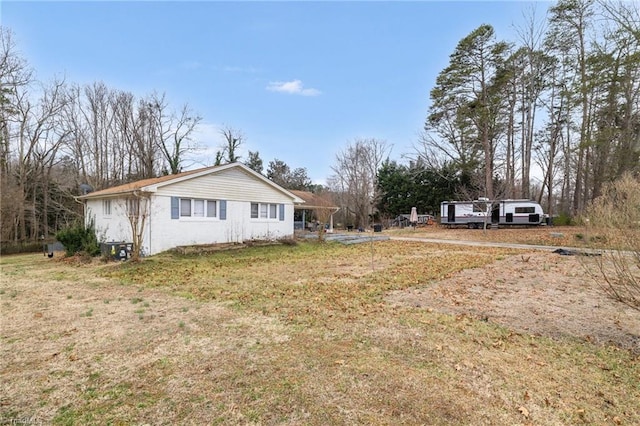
312 201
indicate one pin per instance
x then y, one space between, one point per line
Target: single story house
219 204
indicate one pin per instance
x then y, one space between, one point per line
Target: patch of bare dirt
537 293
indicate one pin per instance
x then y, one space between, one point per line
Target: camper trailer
477 213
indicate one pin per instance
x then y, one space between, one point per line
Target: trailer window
525 209
479 207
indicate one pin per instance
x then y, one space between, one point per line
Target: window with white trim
198 208
185 207
106 207
264 211
212 208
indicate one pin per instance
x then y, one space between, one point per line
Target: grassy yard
284 334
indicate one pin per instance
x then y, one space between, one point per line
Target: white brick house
219 204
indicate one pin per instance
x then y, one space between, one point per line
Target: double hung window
190 207
106 208
264 211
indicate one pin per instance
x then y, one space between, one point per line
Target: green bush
563 219
79 238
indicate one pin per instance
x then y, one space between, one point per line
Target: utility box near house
117 251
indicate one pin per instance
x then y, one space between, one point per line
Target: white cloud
294 87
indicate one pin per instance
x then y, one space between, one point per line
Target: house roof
151 185
312 201
138 185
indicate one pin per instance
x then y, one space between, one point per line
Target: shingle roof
312 200
148 183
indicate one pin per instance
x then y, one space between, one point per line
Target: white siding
230 184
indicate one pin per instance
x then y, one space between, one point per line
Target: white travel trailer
477 213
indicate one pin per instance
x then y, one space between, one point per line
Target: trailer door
495 213
451 213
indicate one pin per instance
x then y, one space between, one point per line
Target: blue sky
300 79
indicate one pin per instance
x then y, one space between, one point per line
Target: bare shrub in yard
323 208
288 241
137 208
614 217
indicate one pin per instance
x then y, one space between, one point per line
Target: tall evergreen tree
254 162
569 22
467 94
280 172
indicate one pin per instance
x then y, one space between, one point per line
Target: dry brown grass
288 335
561 236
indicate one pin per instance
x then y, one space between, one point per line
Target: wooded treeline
553 116
57 136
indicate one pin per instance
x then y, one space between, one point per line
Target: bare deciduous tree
15 75
615 218
36 138
55 136
531 82
173 131
355 177
232 140
137 208
626 14
323 210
